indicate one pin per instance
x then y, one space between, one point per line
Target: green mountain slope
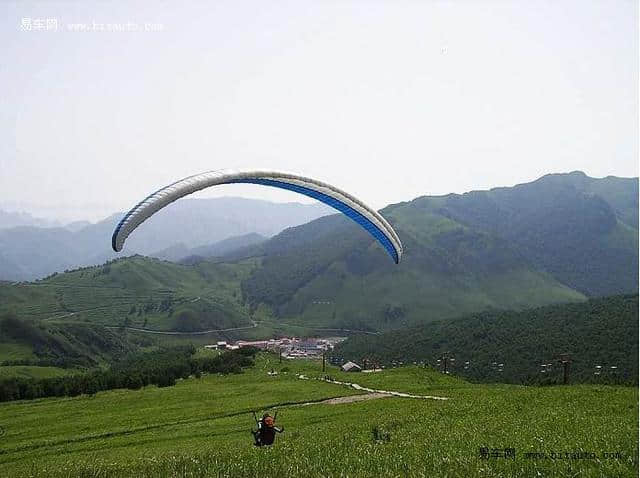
569 225
620 193
546 242
76 319
451 273
601 331
136 292
68 344
539 243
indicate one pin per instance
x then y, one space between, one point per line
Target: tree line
161 368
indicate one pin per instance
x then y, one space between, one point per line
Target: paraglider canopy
366 217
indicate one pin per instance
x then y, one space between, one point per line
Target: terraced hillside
136 292
80 317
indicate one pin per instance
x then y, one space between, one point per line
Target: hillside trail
200 332
347 399
373 391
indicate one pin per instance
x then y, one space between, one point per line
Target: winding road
200 332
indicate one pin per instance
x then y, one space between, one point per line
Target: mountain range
29 252
16 219
562 238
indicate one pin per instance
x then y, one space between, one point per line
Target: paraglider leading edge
366 217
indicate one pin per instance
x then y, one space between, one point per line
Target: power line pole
444 359
323 360
565 360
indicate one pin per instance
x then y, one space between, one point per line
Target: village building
351 367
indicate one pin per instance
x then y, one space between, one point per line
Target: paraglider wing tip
397 256
114 242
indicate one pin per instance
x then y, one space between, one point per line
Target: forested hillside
584 231
558 239
601 331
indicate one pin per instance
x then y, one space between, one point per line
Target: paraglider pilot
266 432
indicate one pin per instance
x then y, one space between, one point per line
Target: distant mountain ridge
29 252
180 252
16 219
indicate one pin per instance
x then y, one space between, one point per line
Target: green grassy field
201 427
14 351
28 371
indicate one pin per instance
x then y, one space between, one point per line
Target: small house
351 367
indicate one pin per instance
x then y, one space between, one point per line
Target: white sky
387 99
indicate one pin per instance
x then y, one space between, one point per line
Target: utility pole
323 360
444 358
565 360
279 354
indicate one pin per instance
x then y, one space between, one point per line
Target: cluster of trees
162 368
599 335
166 304
208 313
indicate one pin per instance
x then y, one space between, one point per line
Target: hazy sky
387 99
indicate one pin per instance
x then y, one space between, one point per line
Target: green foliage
31 371
598 332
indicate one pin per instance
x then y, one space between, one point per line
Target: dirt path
374 391
201 332
308 326
348 399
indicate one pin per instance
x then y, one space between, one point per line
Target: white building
351 367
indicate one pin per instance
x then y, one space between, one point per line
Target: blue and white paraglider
366 217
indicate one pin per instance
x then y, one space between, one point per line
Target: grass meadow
201 427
